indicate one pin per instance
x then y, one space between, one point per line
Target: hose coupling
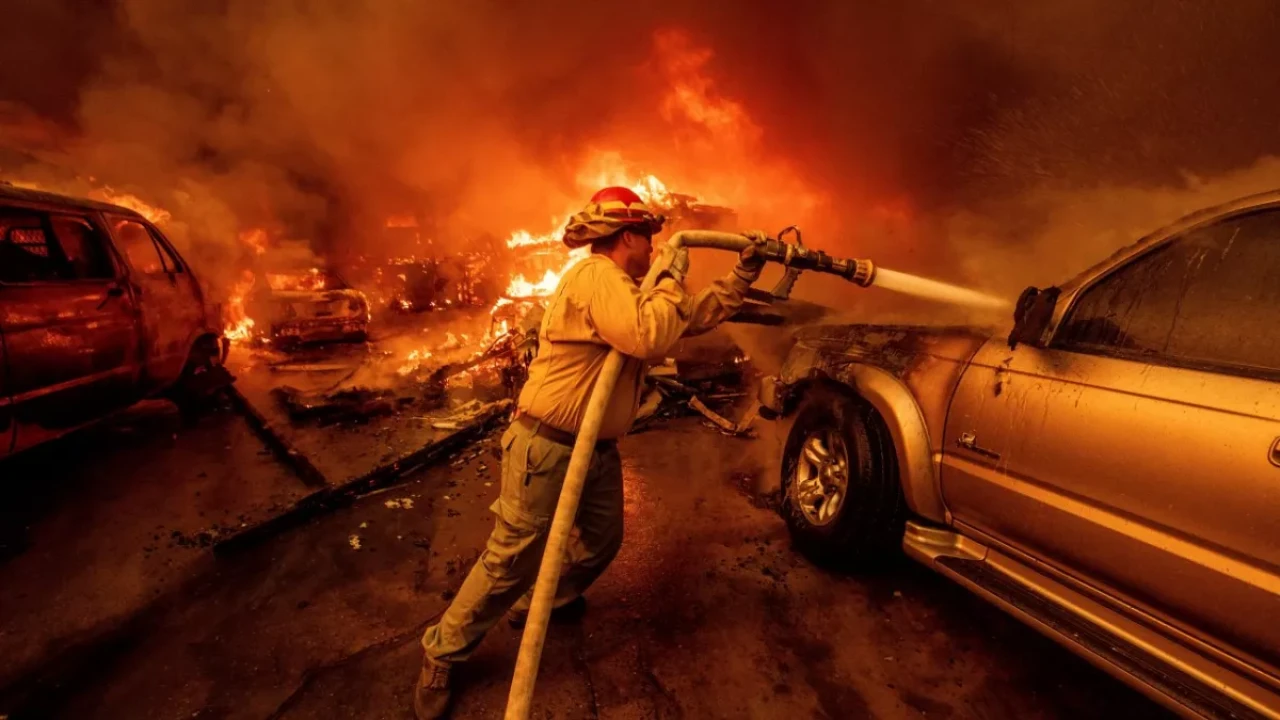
864 272
856 270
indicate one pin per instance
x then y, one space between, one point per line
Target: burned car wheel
842 499
203 380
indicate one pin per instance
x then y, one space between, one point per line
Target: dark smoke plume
954 139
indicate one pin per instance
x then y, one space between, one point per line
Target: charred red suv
97 311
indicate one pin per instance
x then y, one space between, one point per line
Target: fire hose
520 698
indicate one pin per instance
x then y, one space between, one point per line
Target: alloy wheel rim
821 481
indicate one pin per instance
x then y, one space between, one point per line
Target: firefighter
597 306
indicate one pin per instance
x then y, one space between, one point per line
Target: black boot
432 693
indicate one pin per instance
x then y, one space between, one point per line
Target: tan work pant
533 469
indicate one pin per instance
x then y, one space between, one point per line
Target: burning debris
742 428
440 283
699 384
470 413
352 404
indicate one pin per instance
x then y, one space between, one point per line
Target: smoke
989 143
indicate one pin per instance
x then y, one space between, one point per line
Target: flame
402 221
312 280
521 287
237 325
609 170
255 238
718 152
524 238
156 215
692 94
413 361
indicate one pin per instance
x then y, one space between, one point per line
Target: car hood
292 306
893 347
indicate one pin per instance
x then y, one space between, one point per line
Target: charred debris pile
450 383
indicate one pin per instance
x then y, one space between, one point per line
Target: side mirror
1031 316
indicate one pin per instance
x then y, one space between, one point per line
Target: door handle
1274 455
113 291
969 441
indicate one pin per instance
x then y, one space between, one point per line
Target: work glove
751 259
674 262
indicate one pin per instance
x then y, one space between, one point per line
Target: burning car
1107 473
308 305
437 283
97 311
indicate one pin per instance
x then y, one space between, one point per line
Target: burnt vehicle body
97 311
310 305
1109 473
437 283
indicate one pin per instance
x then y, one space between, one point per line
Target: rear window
38 247
83 246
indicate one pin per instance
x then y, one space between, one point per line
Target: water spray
793 256
858 271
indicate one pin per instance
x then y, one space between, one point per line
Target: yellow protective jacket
597 307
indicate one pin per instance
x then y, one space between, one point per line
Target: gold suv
1109 473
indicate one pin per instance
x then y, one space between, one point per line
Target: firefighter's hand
674 262
751 259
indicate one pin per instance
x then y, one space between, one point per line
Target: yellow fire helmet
610 210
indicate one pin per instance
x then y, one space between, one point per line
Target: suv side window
1208 298
167 256
83 246
146 253
27 252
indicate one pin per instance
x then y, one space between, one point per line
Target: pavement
707 612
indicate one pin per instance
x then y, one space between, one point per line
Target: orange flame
692 95
237 325
156 215
309 281
255 238
720 155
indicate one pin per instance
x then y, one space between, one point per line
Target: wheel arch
900 412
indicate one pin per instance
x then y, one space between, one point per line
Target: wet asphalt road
706 613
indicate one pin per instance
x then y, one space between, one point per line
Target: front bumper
317 330
772 394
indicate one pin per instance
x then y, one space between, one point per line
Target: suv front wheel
203 379
842 498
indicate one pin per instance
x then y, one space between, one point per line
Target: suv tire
202 382
841 496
